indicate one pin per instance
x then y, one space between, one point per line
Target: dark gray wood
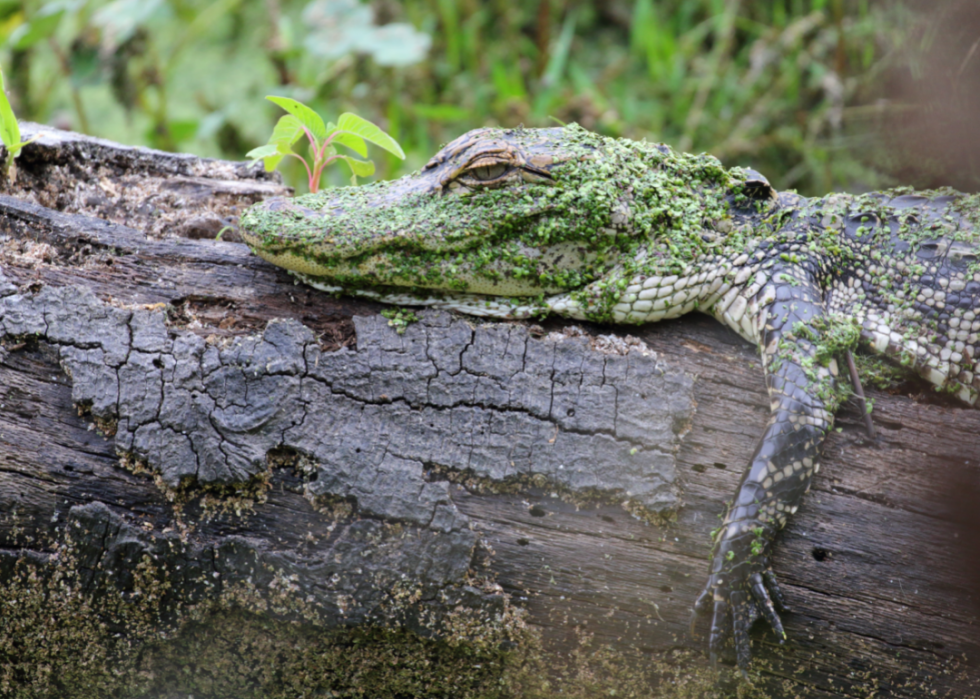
459 456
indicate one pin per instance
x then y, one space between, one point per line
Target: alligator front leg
741 586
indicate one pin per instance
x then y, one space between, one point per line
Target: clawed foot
741 588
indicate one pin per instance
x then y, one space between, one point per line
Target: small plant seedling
350 130
10 133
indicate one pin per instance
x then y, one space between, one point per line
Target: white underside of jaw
470 304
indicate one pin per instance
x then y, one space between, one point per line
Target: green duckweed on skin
402 233
610 214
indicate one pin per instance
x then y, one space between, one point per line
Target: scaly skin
517 223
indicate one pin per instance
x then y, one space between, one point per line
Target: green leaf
15 149
355 143
121 19
42 25
270 154
288 130
272 162
307 117
208 18
369 132
9 130
360 168
263 151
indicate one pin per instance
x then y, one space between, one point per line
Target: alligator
519 223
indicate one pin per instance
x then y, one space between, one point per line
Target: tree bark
172 406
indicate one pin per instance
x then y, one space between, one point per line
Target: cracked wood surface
386 472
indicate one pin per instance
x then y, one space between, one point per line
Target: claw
701 603
741 589
859 393
763 600
774 591
718 624
700 606
740 629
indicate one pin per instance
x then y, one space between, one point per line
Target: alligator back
909 273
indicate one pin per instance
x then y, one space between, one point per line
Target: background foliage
797 89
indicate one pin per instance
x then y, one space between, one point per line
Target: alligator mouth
483 227
345 223
443 208
329 241
328 220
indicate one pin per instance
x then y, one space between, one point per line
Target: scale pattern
519 223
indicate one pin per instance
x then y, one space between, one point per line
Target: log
216 482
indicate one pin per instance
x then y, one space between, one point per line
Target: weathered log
204 453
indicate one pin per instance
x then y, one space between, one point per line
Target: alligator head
505 212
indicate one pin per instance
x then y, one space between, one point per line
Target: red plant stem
330 138
309 175
318 170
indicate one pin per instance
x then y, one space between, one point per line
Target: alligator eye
486 173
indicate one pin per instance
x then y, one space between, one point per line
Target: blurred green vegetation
772 85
